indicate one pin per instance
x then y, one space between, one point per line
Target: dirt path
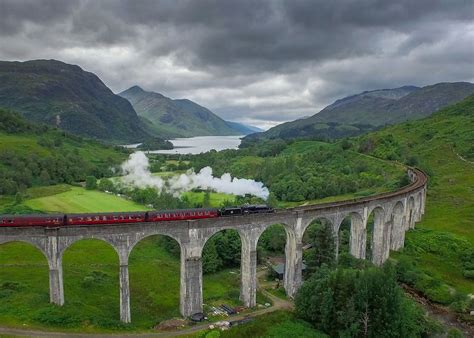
189 330
278 303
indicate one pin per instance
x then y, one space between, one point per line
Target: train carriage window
115 218
206 213
104 218
10 221
200 213
193 214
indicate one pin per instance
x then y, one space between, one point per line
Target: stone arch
397 234
326 218
327 250
91 270
410 224
158 274
231 241
38 246
141 237
419 205
20 259
274 242
71 241
352 231
279 230
376 230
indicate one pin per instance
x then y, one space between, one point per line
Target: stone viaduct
393 214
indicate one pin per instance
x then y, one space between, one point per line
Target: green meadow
78 199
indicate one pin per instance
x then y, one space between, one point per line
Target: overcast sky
258 62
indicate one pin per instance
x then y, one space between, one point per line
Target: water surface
201 144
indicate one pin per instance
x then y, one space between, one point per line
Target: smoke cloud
137 173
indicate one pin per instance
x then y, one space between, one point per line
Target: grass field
78 199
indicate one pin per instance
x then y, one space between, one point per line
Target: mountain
176 118
64 95
364 108
369 110
244 129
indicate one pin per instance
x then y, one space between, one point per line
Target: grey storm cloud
260 62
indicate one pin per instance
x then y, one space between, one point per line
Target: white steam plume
137 173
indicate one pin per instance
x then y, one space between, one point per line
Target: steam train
57 220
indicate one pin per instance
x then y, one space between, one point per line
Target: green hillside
64 95
443 146
176 118
35 155
357 114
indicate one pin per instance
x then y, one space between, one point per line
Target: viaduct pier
394 213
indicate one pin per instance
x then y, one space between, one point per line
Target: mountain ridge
65 95
179 117
369 110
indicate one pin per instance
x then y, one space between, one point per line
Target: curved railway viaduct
394 213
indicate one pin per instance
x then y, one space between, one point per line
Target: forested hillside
357 114
70 98
306 170
35 154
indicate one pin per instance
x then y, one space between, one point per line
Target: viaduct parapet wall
394 213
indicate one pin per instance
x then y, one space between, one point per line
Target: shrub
455 333
468 274
91 182
9 288
57 316
94 278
